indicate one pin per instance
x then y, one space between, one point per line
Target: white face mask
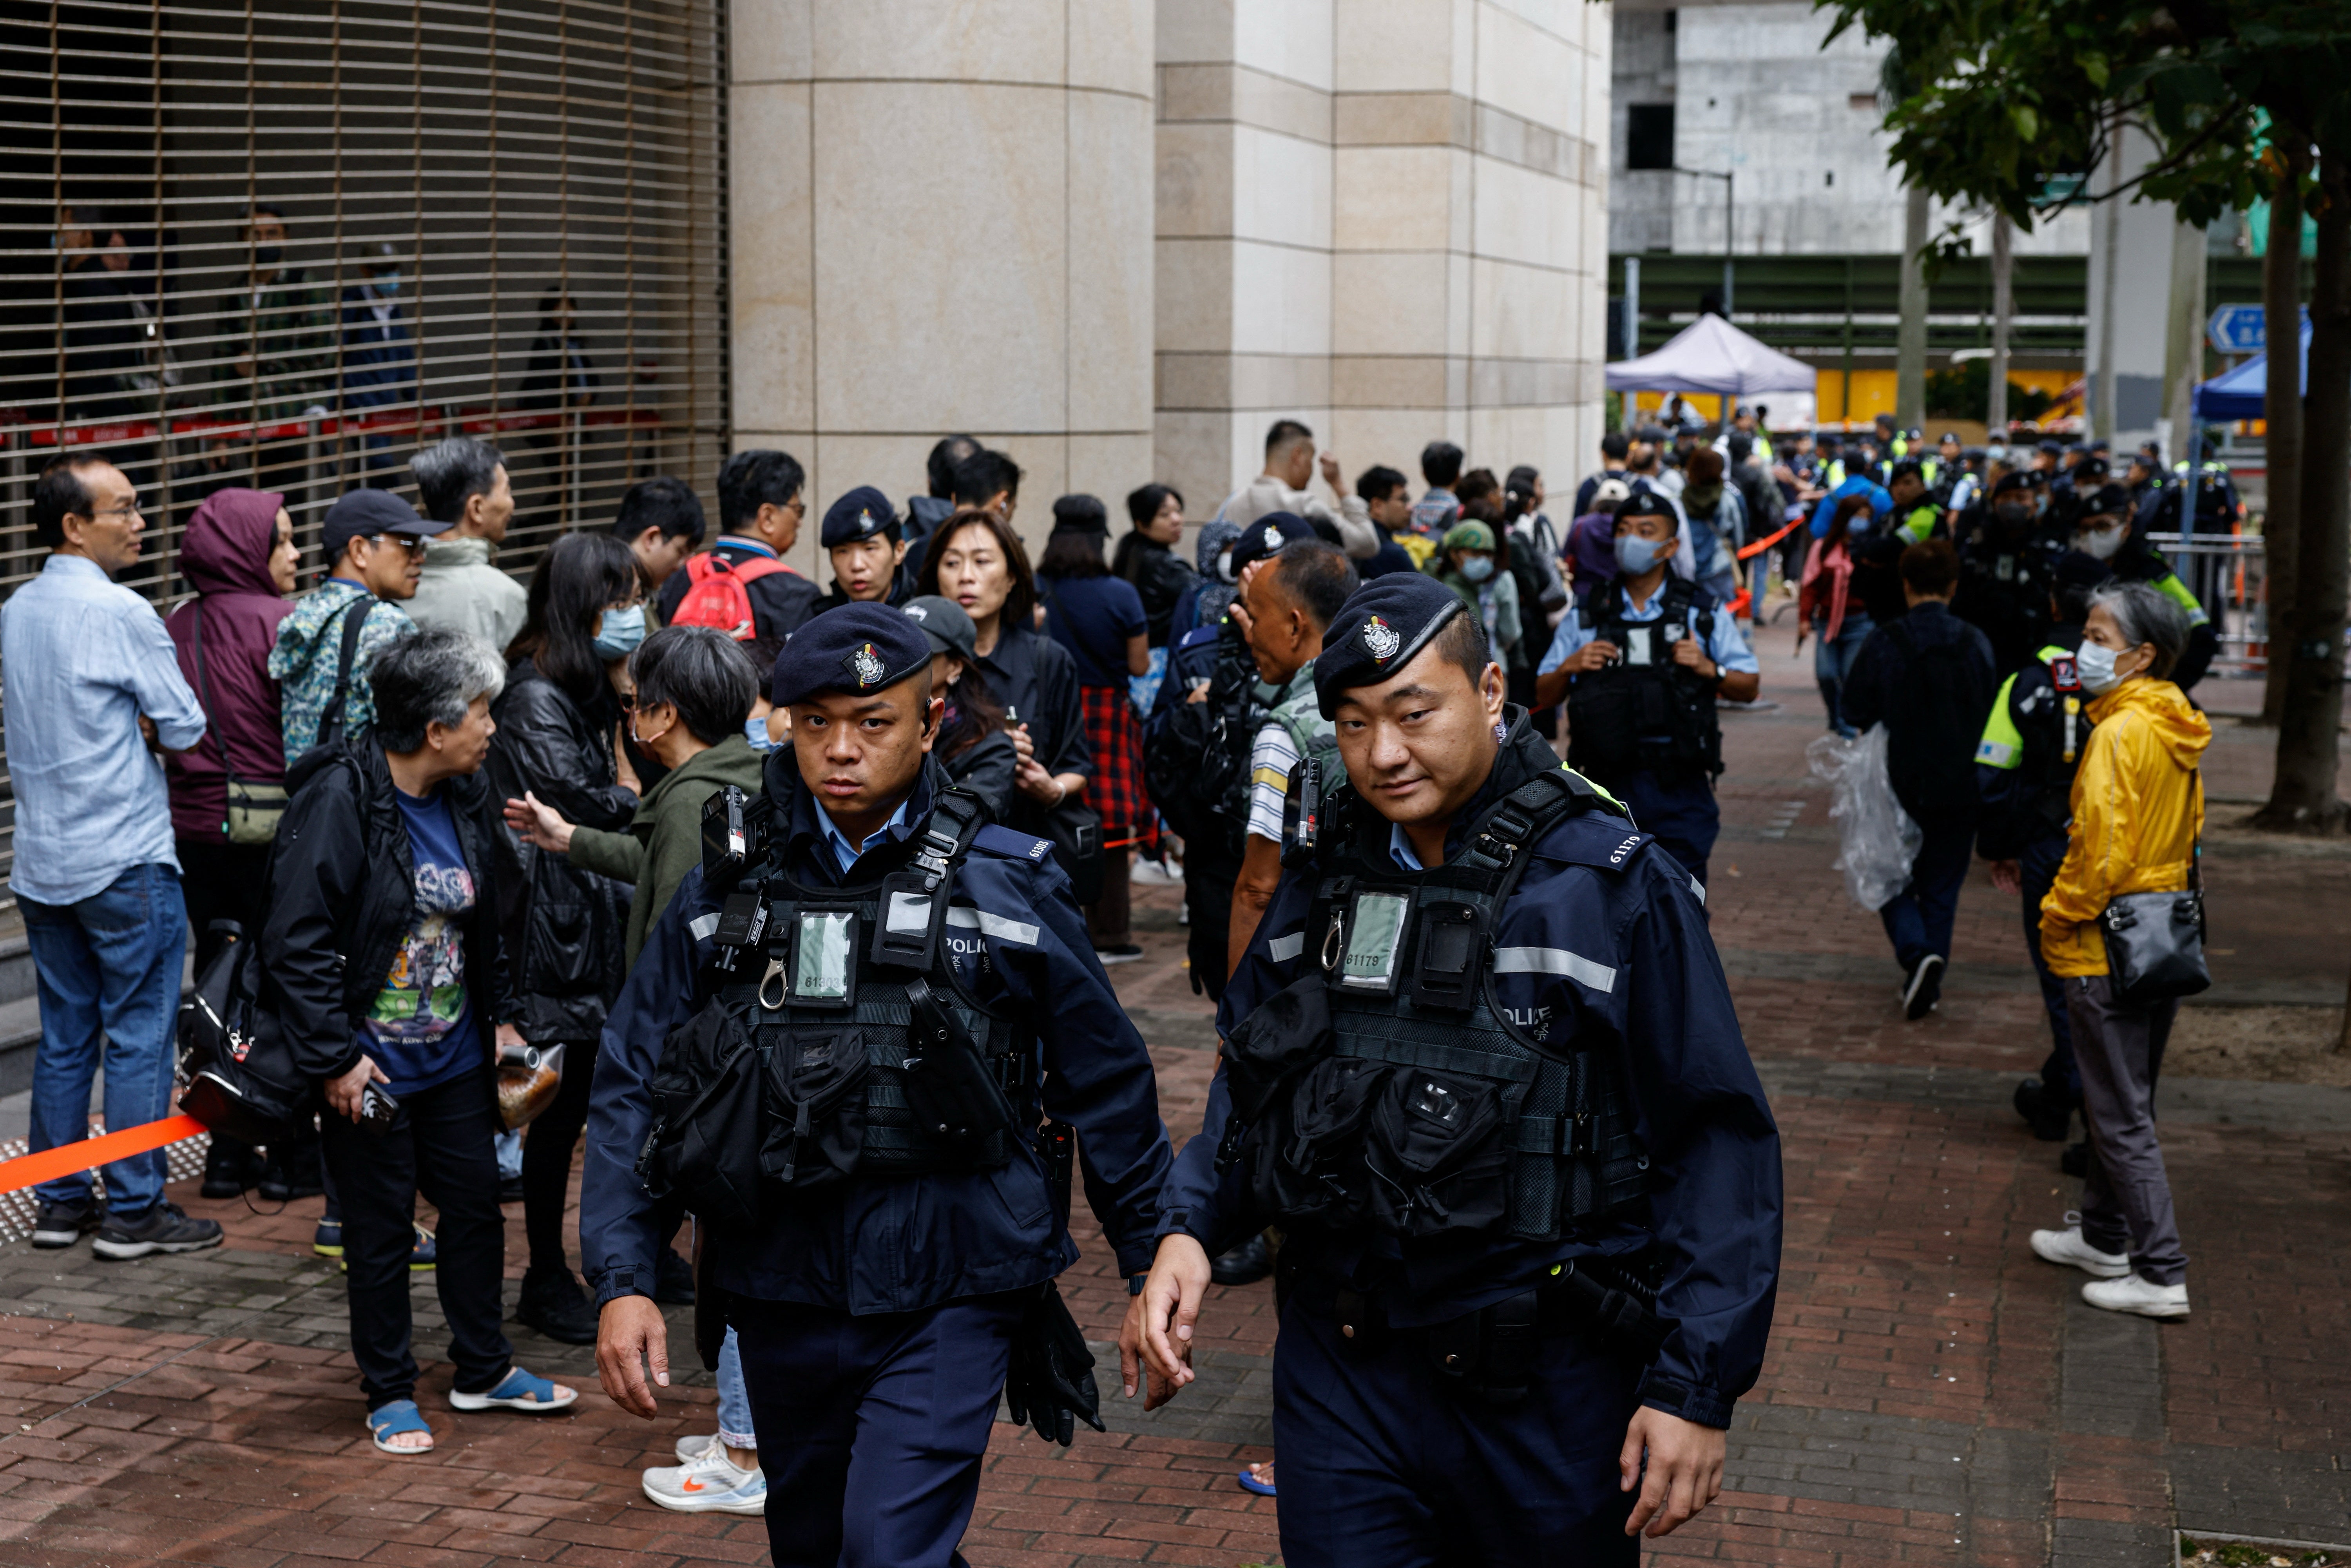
2099 544
2094 664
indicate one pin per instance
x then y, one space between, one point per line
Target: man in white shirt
1289 461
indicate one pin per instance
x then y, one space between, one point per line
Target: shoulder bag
2155 941
253 808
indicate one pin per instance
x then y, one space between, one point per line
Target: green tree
2242 99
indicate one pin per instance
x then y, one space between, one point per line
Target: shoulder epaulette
999 841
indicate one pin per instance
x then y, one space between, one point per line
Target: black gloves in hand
1051 1380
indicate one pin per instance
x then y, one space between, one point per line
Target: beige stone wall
1384 217
940 220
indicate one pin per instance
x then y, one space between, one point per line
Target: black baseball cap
364 513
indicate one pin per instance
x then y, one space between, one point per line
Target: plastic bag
1879 838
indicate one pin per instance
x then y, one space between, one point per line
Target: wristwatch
1134 1282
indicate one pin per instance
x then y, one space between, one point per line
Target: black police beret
2013 480
1644 502
2108 501
857 648
859 515
1268 536
1378 631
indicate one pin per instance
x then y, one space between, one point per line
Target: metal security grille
282 245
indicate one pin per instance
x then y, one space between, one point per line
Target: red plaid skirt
1115 737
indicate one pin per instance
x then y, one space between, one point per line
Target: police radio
731 837
1302 812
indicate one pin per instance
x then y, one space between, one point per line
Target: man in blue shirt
1640 662
93 692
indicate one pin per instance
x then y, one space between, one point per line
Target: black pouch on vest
816 1096
704 1145
1452 944
1308 1163
1266 1050
948 1087
1435 1151
914 907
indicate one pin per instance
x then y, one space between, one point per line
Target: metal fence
2229 576
282 246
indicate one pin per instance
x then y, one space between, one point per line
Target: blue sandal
392 1420
1251 1483
518 1390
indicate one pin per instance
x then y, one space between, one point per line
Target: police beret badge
1380 640
865 664
1272 539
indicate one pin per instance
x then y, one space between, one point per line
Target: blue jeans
1833 662
1918 919
109 970
733 1399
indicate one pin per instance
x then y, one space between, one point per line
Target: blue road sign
2238 330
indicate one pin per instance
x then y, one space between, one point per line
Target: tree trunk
2302 798
2282 412
1910 337
2003 307
2183 336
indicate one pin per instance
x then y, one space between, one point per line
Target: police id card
1374 938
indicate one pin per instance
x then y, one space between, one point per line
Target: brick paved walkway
1933 1394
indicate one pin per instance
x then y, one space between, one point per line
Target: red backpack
718 592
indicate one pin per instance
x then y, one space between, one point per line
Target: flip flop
392 1420
1251 1484
518 1390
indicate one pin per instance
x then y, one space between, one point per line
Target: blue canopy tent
2237 394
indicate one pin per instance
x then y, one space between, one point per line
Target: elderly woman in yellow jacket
2138 811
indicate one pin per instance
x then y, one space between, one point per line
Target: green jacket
291 332
664 838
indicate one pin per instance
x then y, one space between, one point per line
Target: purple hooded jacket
224 556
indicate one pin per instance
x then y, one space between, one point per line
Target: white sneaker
692 1449
708 1485
1155 873
2133 1294
2066 1247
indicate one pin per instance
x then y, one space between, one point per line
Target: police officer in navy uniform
2032 745
835 1048
2007 559
1480 1063
1640 663
867 547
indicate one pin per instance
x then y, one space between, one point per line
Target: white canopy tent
1713 357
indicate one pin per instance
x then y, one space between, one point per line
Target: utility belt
838 1044
1490 1355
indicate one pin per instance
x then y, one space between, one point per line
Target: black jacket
566 928
1160 576
986 770
342 897
781 602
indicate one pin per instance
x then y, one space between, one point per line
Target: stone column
1386 218
940 220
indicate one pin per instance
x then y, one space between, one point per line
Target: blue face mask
1636 555
620 632
1478 568
755 730
387 283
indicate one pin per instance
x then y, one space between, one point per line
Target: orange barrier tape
1760 545
67 1159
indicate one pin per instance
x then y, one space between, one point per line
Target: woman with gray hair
2137 815
382 947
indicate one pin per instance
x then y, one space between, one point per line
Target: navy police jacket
901 1243
1604 928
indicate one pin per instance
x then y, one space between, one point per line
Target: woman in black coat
558 743
1147 558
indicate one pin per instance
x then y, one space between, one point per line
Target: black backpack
1195 755
1930 743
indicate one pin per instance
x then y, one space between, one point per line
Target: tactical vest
840 1043
1643 710
2069 726
1386 1094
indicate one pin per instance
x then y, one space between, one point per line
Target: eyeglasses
413 545
128 509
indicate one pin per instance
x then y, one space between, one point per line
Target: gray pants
2125 1196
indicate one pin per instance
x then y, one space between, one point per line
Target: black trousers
1208 899
547 1148
439 1144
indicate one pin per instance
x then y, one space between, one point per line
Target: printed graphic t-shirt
421 1030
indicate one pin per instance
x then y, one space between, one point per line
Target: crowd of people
599 827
